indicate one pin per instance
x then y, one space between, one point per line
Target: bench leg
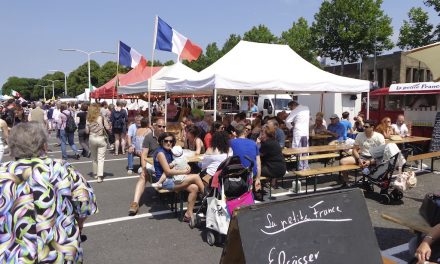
270 188
181 205
296 184
432 164
316 183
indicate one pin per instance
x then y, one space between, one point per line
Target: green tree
299 38
260 34
230 43
25 86
436 5
417 31
347 30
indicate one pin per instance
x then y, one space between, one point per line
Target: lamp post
44 90
88 59
65 80
53 86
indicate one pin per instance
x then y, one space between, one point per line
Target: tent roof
167 73
258 68
430 55
139 73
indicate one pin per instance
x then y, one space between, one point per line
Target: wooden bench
173 203
314 157
432 155
314 172
410 218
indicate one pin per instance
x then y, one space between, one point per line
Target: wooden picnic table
409 139
410 218
195 158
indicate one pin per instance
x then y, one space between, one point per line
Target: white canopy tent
430 55
167 73
257 68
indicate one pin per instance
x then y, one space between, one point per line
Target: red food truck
418 102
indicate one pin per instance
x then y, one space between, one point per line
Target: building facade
391 68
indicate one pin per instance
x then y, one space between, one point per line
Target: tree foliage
417 31
299 38
346 30
260 34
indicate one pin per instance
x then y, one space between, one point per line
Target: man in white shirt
400 126
365 141
298 122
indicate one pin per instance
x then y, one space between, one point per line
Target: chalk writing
281 258
319 212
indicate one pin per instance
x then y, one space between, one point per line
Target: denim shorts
168 184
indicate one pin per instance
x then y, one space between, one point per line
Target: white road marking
127 218
116 179
89 161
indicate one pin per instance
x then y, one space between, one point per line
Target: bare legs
119 138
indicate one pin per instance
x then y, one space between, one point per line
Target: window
394 102
374 103
266 103
281 104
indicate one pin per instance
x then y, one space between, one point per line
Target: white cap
177 151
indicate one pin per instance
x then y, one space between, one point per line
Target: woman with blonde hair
385 128
95 127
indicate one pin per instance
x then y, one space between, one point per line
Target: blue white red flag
128 56
15 93
168 39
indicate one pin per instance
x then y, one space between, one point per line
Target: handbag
217 216
245 199
430 209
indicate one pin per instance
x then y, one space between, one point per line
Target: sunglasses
168 141
367 126
159 126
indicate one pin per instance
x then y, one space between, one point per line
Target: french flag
168 39
15 93
128 56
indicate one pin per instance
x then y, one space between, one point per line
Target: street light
53 86
44 90
88 59
65 80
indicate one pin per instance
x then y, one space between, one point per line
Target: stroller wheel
385 198
210 238
396 195
368 186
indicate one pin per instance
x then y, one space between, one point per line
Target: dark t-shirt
150 142
272 158
82 119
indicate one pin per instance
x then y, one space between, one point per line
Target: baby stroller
230 182
388 157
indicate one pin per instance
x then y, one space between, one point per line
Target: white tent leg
368 105
166 106
215 104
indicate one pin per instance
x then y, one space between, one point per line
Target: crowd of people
101 127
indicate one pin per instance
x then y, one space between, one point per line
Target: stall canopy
258 68
409 88
167 73
137 74
430 55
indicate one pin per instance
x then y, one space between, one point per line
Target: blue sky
31 32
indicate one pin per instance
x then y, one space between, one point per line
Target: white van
271 105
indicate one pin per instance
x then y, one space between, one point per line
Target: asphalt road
156 236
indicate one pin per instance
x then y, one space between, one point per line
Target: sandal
186 218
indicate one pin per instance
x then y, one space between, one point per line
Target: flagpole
117 72
151 70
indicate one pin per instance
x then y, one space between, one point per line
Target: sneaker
140 170
99 179
156 185
130 172
134 207
77 156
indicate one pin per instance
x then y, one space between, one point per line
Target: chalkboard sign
332 227
435 142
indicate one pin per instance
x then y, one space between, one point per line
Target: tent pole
368 105
274 105
151 70
322 102
215 104
166 109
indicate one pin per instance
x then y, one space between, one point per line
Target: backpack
118 119
70 123
9 117
50 113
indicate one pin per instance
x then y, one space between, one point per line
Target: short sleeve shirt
365 144
338 129
347 124
150 142
132 131
401 130
245 147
